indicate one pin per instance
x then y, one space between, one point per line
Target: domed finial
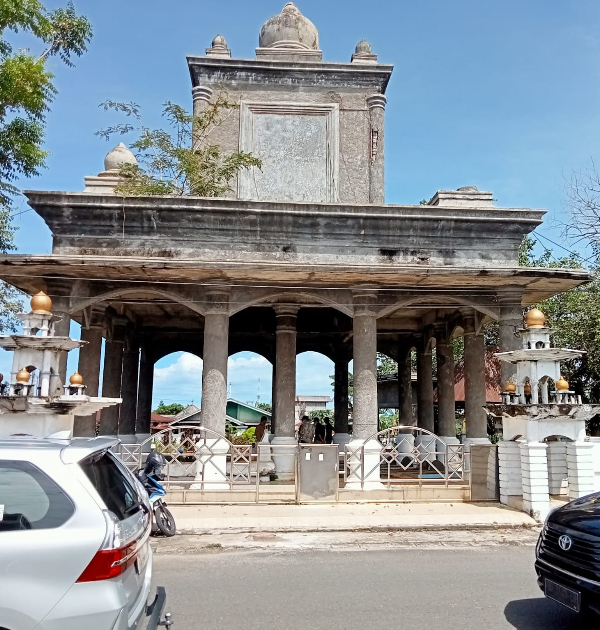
219 42
510 387
363 48
535 318
562 385
76 379
41 304
289 30
117 157
23 376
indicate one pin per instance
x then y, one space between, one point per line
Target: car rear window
29 499
111 483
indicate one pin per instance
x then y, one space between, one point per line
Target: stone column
424 389
475 416
62 328
201 96
129 389
273 398
215 354
285 390
510 477
111 379
144 401
89 368
365 411
510 321
405 401
580 465
376 104
445 387
340 398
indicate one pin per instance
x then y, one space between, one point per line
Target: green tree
321 414
385 365
26 91
168 410
182 161
264 407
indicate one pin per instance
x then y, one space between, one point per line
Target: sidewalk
199 519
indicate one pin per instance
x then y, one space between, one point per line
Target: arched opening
314 385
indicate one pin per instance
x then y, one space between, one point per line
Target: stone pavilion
303 255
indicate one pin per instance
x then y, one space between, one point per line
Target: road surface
462 588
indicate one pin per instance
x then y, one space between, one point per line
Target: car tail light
113 558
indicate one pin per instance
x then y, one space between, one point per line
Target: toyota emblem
565 542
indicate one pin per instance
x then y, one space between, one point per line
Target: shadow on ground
542 614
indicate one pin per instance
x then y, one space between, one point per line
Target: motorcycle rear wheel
165 521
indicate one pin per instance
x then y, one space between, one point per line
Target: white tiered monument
544 449
34 402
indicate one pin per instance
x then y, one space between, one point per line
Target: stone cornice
210 70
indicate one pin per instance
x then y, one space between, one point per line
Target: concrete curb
398 528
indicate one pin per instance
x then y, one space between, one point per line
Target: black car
568 555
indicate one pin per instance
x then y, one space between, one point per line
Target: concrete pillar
111 385
510 478
285 391
215 354
129 390
534 471
405 401
376 104
273 398
365 473
144 401
89 368
510 321
425 388
445 387
60 308
558 474
340 398
366 411
580 465
475 416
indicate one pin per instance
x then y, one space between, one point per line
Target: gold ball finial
76 378
510 387
41 304
23 376
527 388
562 385
534 318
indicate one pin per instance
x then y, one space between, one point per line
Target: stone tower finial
218 48
363 53
289 30
118 157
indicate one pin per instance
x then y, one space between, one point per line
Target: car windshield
118 494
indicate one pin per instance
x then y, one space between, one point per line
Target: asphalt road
481 588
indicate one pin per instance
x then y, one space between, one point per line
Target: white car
74 528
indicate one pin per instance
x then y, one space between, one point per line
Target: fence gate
317 476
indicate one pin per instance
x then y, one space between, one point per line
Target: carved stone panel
298 145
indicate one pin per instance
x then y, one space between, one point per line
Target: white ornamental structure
544 450
34 402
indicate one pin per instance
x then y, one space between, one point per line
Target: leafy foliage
321 414
182 161
265 407
168 410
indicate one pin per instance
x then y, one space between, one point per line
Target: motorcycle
150 476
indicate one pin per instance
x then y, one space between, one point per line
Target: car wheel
165 521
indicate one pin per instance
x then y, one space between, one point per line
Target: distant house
239 414
306 404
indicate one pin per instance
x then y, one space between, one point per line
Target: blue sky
503 94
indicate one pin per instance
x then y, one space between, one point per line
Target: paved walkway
345 517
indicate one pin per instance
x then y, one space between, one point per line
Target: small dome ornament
510 387
219 42
76 379
23 376
41 304
527 388
535 318
118 157
363 48
289 29
562 385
